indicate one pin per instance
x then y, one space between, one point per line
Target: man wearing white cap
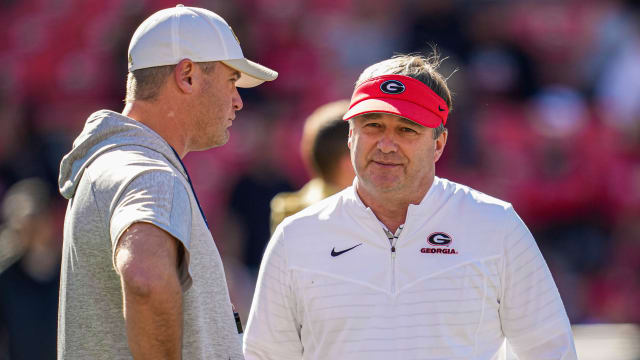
404 264
141 276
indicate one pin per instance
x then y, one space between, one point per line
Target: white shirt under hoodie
481 279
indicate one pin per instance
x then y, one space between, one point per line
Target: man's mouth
386 164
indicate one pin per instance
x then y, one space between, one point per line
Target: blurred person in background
404 264
252 192
326 155
141 275
29 286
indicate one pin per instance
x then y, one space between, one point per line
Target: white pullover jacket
464 274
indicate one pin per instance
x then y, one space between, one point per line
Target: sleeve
273 330
532 315
160 198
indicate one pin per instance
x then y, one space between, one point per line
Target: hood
104 131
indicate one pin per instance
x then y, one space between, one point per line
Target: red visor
399 95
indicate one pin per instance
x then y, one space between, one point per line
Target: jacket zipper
393 238
393 265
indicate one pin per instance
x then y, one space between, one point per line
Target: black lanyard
191 185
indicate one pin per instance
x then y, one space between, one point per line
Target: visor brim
402 108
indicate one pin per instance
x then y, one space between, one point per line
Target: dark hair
329 145
324 139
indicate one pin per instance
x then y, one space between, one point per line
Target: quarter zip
393 239
393 265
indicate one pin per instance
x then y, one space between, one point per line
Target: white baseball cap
183 32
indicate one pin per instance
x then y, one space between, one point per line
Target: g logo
392 87
439 239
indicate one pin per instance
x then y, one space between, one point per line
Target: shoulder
134 157
301 237
464 200
480 224
289 203
122 165
460 206
315 221
137 177
317 212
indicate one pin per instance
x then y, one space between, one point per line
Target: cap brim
252 74
402 108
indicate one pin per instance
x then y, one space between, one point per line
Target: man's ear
183 75
350 136
440 142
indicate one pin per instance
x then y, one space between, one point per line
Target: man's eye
372 125
408 130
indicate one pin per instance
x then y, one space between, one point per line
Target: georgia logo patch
439 239
439 243
392 87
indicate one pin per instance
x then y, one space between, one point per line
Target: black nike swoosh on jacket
335 253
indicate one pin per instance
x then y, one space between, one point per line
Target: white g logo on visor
392 87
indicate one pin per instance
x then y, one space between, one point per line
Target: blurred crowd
546 116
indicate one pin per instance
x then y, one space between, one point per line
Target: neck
162 117
390 207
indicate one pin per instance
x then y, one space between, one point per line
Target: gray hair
419 67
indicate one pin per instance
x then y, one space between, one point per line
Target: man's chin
214 144
222 139
387 188
384 184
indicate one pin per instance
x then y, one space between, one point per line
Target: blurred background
546 116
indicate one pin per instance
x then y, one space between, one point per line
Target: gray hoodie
120 172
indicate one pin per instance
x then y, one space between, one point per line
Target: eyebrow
373 116
409 122
237 74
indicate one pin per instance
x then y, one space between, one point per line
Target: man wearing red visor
404 264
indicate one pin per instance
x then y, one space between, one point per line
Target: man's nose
387 143
236 101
